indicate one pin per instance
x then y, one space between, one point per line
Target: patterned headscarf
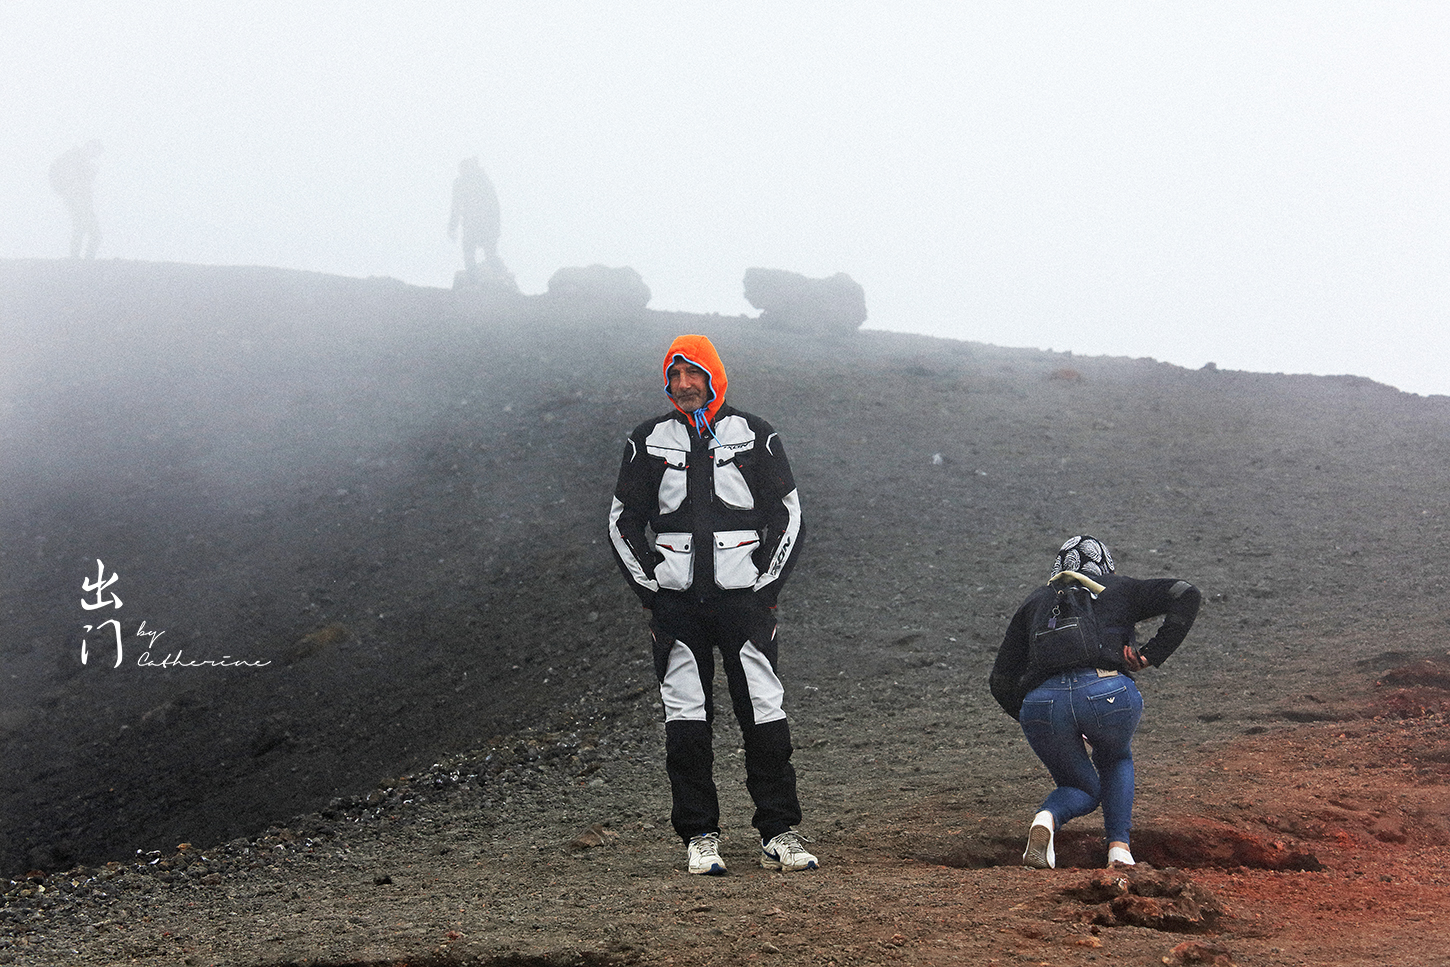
1085 555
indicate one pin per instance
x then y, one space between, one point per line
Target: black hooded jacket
1125 602
705 514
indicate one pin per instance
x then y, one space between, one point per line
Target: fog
1260 186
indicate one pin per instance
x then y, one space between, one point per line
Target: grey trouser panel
686 637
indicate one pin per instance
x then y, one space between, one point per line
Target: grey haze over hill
1257 185
394 497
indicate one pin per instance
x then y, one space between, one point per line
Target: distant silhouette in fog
475 210
73 176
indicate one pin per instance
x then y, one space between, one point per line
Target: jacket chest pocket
734 559
672 487
677 571
730 486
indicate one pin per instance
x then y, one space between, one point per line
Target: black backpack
1064 631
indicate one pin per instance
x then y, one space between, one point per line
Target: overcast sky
1262 185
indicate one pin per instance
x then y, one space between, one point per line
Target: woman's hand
1134 659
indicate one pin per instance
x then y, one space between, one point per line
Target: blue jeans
1057 716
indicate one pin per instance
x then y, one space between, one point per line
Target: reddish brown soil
1318 844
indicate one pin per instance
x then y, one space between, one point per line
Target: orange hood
699 351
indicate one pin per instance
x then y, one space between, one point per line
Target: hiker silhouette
475 212
73 176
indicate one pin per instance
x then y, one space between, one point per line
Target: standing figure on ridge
705 525
73 176
475 211
1064 672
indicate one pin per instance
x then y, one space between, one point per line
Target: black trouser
686 637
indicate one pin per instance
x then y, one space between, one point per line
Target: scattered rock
793 302
595 835
491 277
1198 952
1141 896
619 291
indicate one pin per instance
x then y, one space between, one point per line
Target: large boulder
489 277
488 290
617 291
791 301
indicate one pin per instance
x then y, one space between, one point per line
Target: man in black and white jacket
706 525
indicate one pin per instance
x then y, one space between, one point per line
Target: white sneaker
1039 854
1116 854
705 855
787 853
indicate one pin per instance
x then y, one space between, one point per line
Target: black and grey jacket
722 511
1124 602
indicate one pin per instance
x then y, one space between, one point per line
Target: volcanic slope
396 496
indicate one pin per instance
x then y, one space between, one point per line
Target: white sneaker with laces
1039 854
705 855
787 853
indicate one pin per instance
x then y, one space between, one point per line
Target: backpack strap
1083 579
